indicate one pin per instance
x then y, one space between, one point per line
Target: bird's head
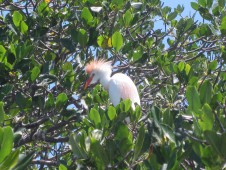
97 70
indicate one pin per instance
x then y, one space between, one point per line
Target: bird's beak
88 82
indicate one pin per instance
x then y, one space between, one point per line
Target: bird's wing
121 86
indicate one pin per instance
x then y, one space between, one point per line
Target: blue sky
188 10
185 3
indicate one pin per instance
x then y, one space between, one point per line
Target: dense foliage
47 119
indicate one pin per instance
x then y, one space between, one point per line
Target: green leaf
217 141
181 66
205 13
168 132
97 134
43 9
68 44
86 15
195 6
223 26
188 24
117 41
100 40
168 117
67 66
192 96
99 154
209 3
138 113
207 119
2 53
1 135
104 41
206 92
50 101
82 37
124 138
10 160
116 4
22 101
202 3
23 27
111 112
187 69
214 139
204 30
173 163
128 17
62 167
127 104
74 35
221 3
24 161
172 15
17 18
77 150
213 65
61 100
137 54
7 143
139 142
95 117
216 10
2 112
122 132
50 56
197 129
34 73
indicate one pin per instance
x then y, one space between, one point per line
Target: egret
119 85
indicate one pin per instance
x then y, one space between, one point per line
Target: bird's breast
121 86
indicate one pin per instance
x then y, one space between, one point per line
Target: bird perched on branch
119 86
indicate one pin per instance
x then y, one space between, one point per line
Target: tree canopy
47 119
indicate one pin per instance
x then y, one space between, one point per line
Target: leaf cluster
47 119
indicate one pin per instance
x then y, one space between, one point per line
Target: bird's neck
104 81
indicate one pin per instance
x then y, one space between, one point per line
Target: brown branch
192 137
61 124
35 124
45 162
55 139
193 58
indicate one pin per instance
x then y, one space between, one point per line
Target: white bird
119 86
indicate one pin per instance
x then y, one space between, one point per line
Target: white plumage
119 86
